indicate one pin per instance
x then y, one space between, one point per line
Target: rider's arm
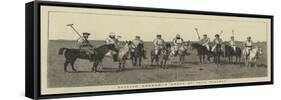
141 42
155 42
174 41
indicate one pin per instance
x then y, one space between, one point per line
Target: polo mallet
232 32
221 32
196 29
71 25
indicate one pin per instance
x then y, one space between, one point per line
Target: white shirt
137 42
177 41
158 42
232 42
205 41
249 43
111 41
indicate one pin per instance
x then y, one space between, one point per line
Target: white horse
252 56
180 51
123 54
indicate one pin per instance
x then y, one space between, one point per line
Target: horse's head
168 45
194 45
129 44
111 46
259 51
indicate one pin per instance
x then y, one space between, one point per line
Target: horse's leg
95 65
219 60
132 61
215 59
236 59
140 61
208 56
72 66
123 64
246 62
120 65
157 60
203 59
199 58
182 59
151 61
135 61
65 65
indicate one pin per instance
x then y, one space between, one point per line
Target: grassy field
189 71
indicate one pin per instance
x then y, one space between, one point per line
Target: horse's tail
62 50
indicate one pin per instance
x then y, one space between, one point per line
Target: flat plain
191 70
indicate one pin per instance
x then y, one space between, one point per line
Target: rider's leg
144 54
213 49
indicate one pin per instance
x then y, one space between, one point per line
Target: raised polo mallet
196 29
221 32
71 25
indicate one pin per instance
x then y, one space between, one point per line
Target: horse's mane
227 46
102 46
196 44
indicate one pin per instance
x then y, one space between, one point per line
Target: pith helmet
86 34
217 35
111 34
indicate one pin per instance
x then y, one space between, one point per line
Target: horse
202 51
252 56
181 52
217 53
230 53
162 56
123 53
71 55
136 54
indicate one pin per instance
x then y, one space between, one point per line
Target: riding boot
115 58
176 53
91 58
144 54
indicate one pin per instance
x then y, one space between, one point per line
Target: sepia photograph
93 49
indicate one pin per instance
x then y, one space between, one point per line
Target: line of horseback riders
161 52
159 44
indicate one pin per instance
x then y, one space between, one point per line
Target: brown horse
162 57
71 55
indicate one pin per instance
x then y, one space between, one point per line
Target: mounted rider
248 45
113 40
232 43
136 42
217 41
85 46
205 41
178 43
158 44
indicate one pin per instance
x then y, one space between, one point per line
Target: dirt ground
189 71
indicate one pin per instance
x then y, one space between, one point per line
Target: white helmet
112 34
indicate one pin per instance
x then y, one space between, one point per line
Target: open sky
128 24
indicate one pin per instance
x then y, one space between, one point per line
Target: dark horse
217 53
162 56
230 53
136 54
71 55
202 51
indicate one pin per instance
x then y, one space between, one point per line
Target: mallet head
69 25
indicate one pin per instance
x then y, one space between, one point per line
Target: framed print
75 49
